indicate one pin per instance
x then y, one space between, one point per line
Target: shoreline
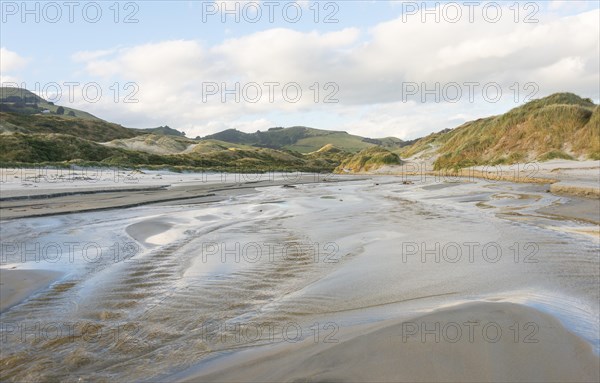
557 187
71 200
565 178
569 178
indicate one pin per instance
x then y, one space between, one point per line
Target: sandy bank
16 285
576 189
141 231
17 202
541 350
578 178
575 208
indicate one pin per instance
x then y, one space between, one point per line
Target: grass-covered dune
368 160
562 125
89 129
17 149
154 143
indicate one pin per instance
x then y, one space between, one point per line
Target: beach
17 285
298 277
415 351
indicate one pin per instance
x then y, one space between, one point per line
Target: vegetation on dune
590 135
34 131
62 149
555 154
94 130
426 143
368 160
153 143
328 157
51 147
206 146
558 126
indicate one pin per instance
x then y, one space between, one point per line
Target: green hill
32 132
562 125
18 149
303 139
24 111
51 147
165 131
89 129
22 101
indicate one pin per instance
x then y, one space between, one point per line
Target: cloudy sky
396 68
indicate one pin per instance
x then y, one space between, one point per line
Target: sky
372 68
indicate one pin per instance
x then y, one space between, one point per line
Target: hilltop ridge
560 126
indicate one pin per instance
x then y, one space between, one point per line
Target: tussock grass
369 159
562 125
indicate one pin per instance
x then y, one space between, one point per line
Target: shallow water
176 285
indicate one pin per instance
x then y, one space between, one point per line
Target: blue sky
368 58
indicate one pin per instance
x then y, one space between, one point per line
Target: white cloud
568 66
84 56
369 68
10 62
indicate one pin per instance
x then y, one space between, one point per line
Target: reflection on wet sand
183 290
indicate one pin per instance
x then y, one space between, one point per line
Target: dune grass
559 126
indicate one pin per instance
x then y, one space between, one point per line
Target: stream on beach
153 290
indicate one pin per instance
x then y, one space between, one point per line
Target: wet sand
54 199
475 342
576 208
562 177
176 276
17 285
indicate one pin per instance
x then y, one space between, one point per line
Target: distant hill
34 131
303 139
22 101
165 131
25 112
562 125
89 129
63 149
